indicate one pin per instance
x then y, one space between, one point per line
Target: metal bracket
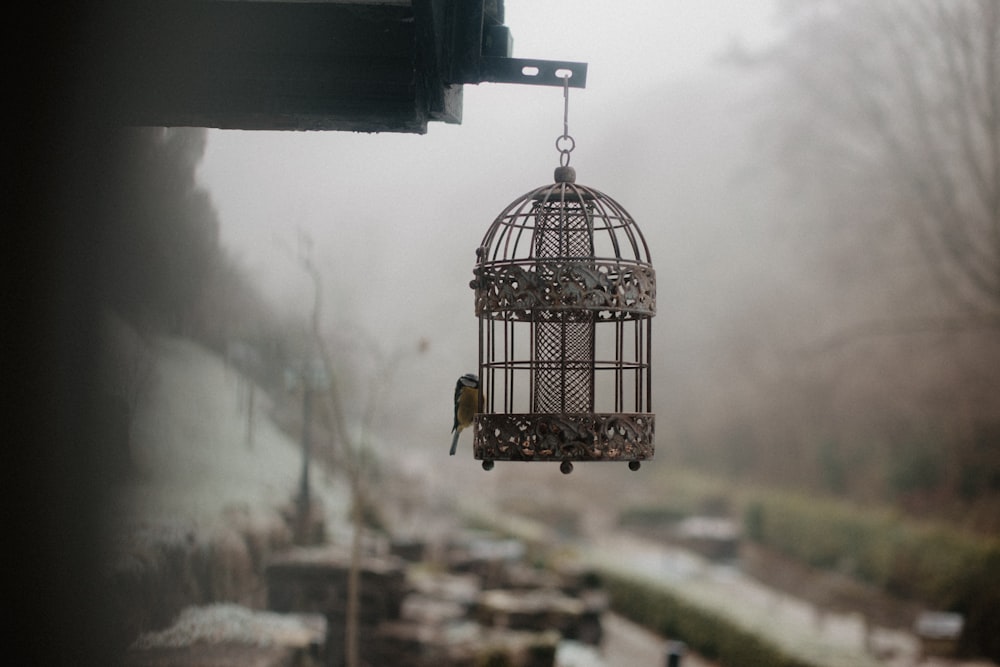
531 71
480 49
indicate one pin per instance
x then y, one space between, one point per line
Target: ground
202 462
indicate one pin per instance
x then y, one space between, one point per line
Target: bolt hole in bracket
533 71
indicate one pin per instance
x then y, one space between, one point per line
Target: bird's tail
454 441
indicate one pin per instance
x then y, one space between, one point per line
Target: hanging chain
565 143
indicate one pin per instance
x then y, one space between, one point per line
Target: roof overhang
376 66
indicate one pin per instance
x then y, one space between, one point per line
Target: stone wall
156 570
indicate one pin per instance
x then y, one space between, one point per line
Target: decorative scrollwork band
564 437
611 289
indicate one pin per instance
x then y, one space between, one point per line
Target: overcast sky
396 217
268 184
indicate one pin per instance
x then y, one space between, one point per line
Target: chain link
565 143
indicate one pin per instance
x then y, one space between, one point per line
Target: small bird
468 401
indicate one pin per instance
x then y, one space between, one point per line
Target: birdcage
565 294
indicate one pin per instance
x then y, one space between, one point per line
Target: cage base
563 437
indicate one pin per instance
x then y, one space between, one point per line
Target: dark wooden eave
279 65
390 65
357 65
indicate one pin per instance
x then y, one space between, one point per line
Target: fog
394 219
802 334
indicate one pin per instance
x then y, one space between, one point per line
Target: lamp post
312 377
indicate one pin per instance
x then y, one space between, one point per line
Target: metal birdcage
565 294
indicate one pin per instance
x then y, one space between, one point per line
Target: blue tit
468 401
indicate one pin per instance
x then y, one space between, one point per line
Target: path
626 643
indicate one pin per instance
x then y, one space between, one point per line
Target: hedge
709 633
935 564
703 623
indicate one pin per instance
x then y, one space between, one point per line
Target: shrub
940 566
707 632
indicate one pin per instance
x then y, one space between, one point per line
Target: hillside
202 506
191 457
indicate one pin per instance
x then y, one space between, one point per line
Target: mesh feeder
565 293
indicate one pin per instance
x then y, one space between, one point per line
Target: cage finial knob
565 174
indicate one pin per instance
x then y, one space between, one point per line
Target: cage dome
565 292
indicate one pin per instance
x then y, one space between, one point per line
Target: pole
675 652
304 502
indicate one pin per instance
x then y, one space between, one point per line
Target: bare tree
351 433
356 453
904 95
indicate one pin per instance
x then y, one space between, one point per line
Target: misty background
805 335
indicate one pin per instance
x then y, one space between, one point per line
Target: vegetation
707 622
883 395
930 562
163 268
933 563
903 94
863 366
712 634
